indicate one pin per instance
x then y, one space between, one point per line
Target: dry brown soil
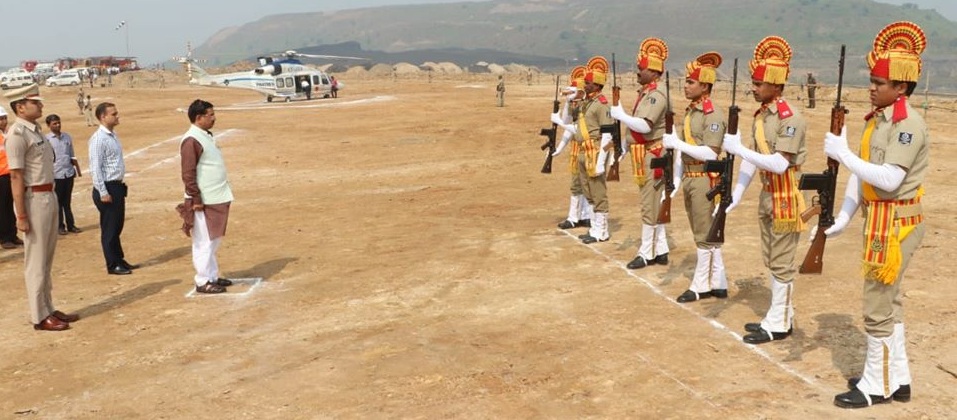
413 270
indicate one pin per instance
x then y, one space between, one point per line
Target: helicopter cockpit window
289 82
280 83
325 79
315 80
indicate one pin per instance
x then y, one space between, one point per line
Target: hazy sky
159 29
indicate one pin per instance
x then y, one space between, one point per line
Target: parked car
64 79
15 80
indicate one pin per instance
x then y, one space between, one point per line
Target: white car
64 79
15 80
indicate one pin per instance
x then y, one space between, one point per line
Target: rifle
666 162
613 174
724 167
825 184
550 133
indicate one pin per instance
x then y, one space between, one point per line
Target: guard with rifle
696 141
595 147
779 151
887 180
579 211
646 128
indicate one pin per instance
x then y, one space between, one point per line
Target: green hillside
577 29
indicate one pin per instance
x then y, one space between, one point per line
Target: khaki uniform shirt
28 150
905 144
652 107
596 114
783 133
706 129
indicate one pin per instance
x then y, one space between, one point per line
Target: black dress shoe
584 236
74 229
901 395
223 282
65 317
119 270
588 239
689 296
62 231
720 293
129 266
583 223
761 336
210 288
855 399
662 259
565 224
752 327
638 262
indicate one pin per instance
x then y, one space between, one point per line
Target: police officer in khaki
647 126
592 129
887 180
779 150
30 158
579 211
699 139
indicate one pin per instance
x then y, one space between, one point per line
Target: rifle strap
787 200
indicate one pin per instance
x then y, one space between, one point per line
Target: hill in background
555 32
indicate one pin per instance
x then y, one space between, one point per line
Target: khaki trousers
882 302
38 247
650 196
594 187
778 249
699 209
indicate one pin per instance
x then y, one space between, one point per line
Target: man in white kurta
208 196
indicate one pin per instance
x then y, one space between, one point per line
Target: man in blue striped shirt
109 192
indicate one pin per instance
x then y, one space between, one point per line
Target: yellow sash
882 246
637 149
786 198
573 160
588 146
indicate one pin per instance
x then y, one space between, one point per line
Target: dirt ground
412 269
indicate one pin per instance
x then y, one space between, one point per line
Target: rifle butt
613 173
664 212
716 232
814 260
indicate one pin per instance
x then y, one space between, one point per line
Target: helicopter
280 79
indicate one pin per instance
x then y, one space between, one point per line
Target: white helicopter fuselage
276 81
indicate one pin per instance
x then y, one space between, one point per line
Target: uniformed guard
579 211
647 126
592 128
778 139
30 157
699 139
887 180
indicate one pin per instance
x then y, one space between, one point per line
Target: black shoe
74 229
901 395
119 270
761 336
62 231
720 293
223 282
855 399
752 327
582 237
583 223
689 296
565 224
638 262
588 239
662 259
129 266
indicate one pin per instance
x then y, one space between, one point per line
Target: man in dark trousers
107 169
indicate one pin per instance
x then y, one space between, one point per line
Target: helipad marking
254 283
714 323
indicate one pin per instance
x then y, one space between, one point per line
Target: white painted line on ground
254 283
674 378
714 323
219 136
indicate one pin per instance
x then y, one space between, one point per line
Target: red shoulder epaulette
784 110
900 110
707 106
603 99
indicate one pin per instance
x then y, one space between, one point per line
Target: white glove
732 143
624 150
835 146
886 177
638 125
744 180
566 137
569 92
605 140
600 166
773 162
678 172
556 118
852 200
698 152
670 141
